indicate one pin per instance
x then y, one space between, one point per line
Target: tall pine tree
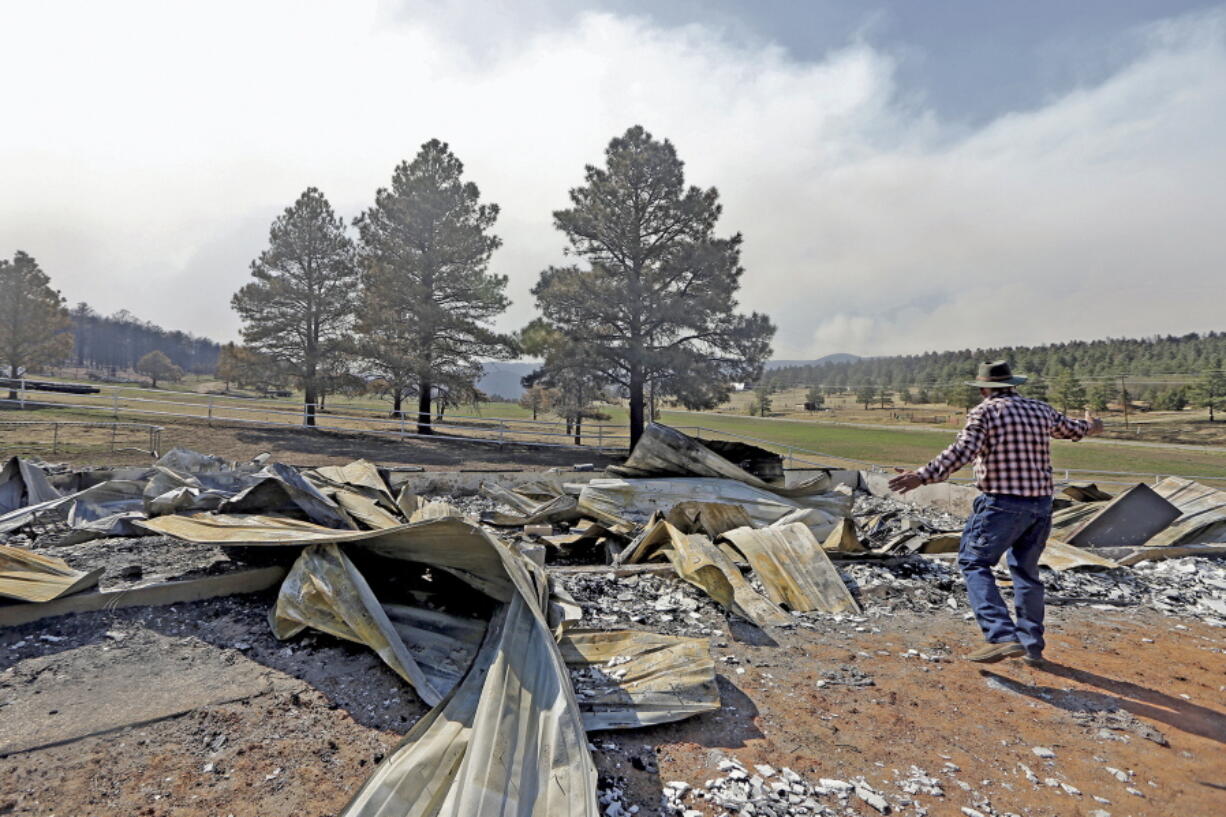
299 309
428 297
1209 390
656 303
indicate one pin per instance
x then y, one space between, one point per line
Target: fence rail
224 410
151 433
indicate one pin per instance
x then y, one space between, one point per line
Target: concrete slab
109 685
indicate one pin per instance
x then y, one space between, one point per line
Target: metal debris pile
477 601
652 601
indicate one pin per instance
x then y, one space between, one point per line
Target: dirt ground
271 728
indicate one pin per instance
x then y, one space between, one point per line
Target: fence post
21 393
401 413
600 437
55 437
114 431
115 409
210 411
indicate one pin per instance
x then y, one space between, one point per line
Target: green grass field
886 446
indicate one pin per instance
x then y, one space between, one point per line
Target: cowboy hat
996 375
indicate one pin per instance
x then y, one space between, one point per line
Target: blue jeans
1018 526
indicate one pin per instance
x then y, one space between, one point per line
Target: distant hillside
1151 363
838 357
502 379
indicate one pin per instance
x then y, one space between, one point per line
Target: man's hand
905 481
1096 424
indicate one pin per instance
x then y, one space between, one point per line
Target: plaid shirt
1007 436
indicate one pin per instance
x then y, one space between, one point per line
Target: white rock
873 799
1043 751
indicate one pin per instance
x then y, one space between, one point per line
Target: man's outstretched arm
1066 428
964 449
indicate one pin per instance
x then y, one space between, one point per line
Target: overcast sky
908 176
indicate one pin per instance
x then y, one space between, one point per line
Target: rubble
488 606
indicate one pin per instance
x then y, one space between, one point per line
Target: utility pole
1124 397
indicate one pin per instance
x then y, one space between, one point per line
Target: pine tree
1100 395
35 328
428 298
656 303
1036 389
566 373
229 364
1068 392
538 399
761 405
866 394
960 395
299 309
1173 399
1209 391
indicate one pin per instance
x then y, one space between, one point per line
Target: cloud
155 148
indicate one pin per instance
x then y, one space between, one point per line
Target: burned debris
527 615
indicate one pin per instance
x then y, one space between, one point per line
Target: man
1008 437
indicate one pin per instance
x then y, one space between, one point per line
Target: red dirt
333 712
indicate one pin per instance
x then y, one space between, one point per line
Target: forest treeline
1165 372
121 340
1153 359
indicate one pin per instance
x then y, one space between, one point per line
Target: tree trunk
308 401
397 396
423 408
579 430
13 375
636 404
